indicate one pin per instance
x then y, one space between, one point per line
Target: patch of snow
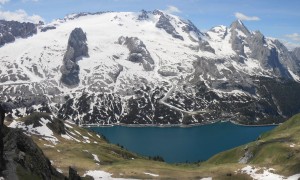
84 137
77 132
100 175
96 157
233 92
87 141
68 126
48 145
151 174
267 174
207 178
240 33
59 170
66 136
42 130
220 67
295 77
292 145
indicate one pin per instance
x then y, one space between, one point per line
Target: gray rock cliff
10 30
77 48
165 24
138 52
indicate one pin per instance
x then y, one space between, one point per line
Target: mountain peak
237 22
239 25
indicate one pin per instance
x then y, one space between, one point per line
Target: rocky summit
148 67
10 30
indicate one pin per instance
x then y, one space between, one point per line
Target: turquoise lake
177 144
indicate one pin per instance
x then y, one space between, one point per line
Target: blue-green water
177 144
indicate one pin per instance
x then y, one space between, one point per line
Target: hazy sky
274 18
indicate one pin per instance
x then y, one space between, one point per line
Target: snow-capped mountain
149 68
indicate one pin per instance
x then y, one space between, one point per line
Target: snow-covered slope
130 62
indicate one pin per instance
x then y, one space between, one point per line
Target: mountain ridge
134 61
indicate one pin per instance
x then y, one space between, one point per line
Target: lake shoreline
179 145
176 125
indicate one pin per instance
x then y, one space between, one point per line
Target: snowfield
266 174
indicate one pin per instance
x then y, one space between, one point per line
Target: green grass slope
279 149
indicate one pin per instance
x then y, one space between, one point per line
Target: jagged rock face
286 58
268 58
204 46
239 26
195 34
296 52
77 47
73 174
258 50
238 35
9 30
190 27
137 52
277 57
273 56
22 153
164 23
143 15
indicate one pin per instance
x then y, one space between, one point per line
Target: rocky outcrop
143 15
273 56
24 158
238 35
73 175
2 162
21 157
296 52
10 30
47 28
270 58
77 48
195 35
204 46
137 52
165 24
190 27
286 58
